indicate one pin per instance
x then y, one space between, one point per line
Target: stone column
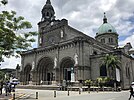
76 73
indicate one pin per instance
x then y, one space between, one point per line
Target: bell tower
48 12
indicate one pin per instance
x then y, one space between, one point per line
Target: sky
84 15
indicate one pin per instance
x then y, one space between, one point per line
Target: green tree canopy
14 33
110 61
2 76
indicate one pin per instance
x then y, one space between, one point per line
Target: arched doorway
27 74
67 69
45 71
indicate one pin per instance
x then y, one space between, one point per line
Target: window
127 72
109 30
95 53
103 40
103 71
47 13
110 40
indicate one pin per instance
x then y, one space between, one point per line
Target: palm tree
111 62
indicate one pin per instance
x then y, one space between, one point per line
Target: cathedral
67 54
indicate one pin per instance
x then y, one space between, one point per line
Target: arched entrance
45 71
27 74
67 69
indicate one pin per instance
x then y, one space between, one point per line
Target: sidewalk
4 97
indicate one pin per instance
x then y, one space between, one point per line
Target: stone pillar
76 73
55 76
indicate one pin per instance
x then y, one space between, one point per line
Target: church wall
95 67
127 71
70 33
28 59
86 61
50 54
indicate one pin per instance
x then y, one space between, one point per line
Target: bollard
68 92
54 94
97 90
88 90
14 94
36 95
79 91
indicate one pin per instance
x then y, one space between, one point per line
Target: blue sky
84 15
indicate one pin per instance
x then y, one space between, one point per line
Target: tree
88 83
14 33
111 62
2 76
4 2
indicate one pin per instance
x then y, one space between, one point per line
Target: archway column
76 72
45 71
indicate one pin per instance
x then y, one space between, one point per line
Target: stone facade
65 53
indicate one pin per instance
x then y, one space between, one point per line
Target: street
63 95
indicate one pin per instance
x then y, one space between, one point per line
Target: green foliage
103 81
100 81
88 82
14 35
4 2
110 61
2 76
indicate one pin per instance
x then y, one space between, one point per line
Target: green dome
106 28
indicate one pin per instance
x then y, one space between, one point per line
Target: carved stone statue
33 64
55 62
76 59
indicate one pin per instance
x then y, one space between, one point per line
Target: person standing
1 87
6 89
131 92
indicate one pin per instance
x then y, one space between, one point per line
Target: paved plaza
30 94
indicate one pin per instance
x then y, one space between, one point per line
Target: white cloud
84 15
128 39
10 63
106 5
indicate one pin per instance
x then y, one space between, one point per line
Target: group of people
8 87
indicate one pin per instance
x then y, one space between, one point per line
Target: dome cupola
107 33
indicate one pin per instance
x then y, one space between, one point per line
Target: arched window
47 13
103 70
110 40
95 53
103 40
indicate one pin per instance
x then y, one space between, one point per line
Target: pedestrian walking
6 88
131 91
9 87
1 87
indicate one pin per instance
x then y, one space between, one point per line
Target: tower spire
48 12
105 18
48 2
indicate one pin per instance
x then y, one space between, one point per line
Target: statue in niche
55 62
62 33
33 64
76 59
